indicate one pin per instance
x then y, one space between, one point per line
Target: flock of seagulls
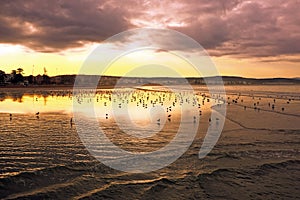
147 98
141 98
256 104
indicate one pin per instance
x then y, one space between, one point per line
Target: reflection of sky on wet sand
140 106
36 103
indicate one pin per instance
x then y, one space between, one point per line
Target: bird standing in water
158 122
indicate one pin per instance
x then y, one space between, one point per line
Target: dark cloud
224 27
161 50
210 32
264 28
279 59
56 25
245 28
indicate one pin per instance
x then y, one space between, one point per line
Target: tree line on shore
17 77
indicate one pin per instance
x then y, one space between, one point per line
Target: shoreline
128 85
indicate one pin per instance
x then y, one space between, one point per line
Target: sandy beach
256 157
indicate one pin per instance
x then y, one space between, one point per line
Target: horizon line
223 76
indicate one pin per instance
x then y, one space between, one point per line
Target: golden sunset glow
247 38
12 57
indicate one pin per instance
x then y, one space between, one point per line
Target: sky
243 38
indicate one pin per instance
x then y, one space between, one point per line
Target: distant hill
234 80
89 80
227 80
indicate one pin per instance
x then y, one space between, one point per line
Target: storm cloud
223 27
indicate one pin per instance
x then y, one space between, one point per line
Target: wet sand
256 157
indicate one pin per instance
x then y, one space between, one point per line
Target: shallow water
256 157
